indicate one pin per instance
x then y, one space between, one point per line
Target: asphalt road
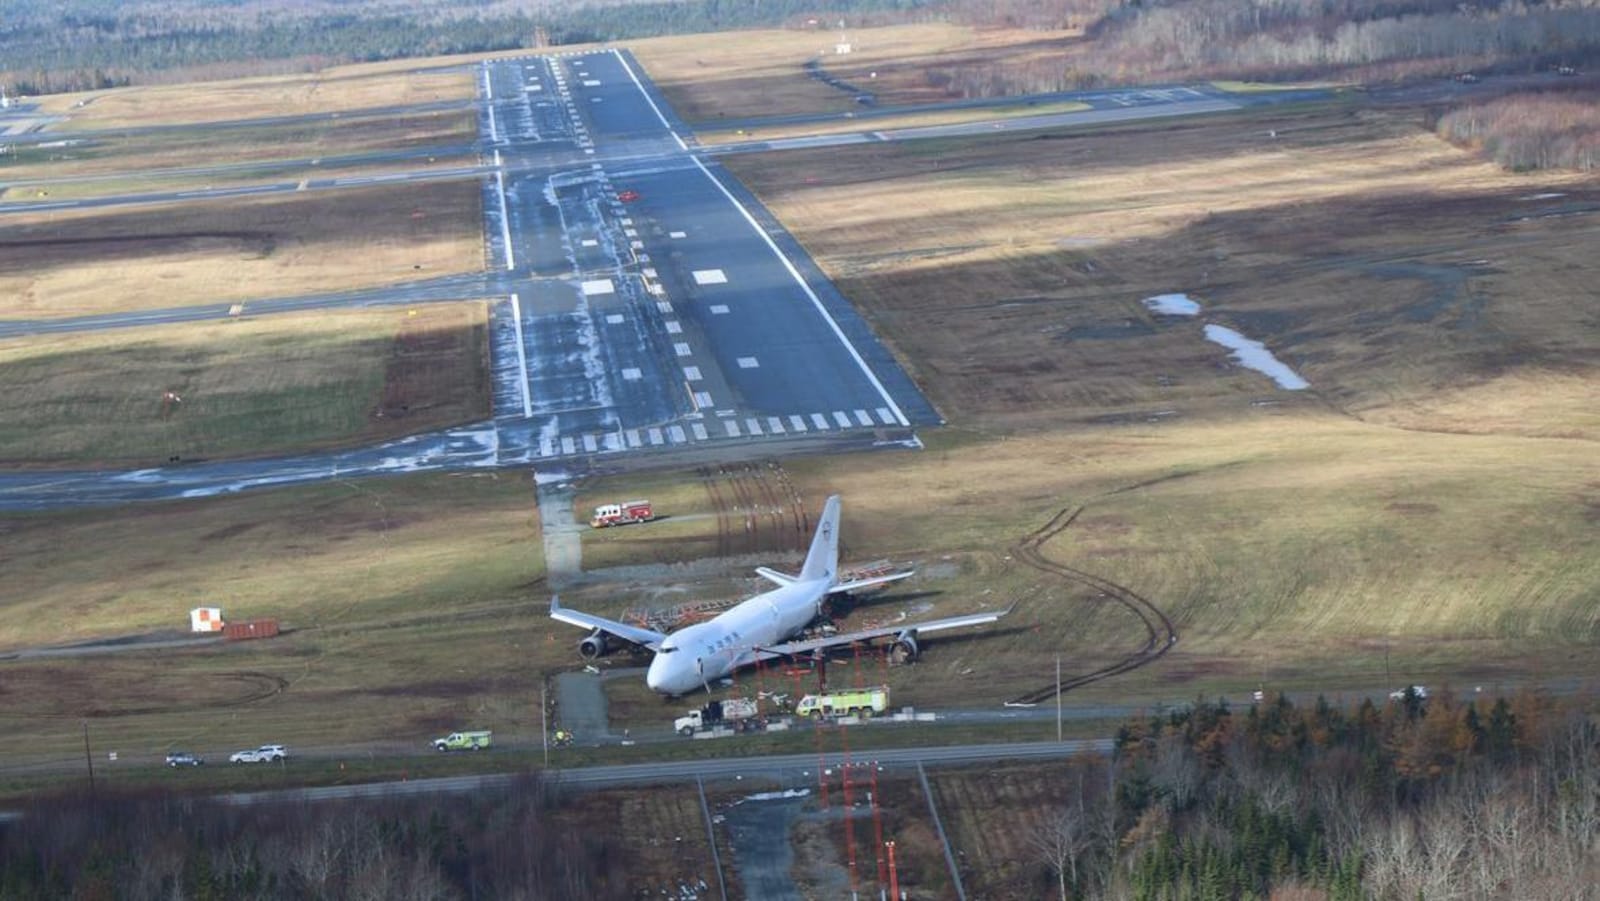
797 769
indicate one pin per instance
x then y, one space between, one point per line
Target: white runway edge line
522 358
505 217
899 415
646 95
488 98
816 301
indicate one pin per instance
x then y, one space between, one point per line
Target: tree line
1422 798
1140 41
1531 130
89 44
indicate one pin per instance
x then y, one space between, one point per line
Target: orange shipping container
255 628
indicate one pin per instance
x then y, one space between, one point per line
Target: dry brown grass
139 154
760 72
222 251
247 388
334 90
1380 261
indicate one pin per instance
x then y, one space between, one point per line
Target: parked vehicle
741 714
464 741
263 754
1419 691
184 758
863 702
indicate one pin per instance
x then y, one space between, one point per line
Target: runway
643 301
689 316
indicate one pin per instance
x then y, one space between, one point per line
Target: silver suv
184 758
263 754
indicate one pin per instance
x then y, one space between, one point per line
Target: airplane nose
653 678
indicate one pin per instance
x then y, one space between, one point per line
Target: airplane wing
936 625
868 583
646 637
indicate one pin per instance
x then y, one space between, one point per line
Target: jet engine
597 644
904 649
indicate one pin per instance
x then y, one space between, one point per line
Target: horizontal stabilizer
772 575
634 634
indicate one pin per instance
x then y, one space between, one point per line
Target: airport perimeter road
796 769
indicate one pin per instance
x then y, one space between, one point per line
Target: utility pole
88 759
544 726
1058 697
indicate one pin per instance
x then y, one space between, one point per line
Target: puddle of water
1254 355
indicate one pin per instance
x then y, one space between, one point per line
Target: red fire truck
621 514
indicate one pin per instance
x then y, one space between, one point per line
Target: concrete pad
616 318
599 286
655 437
673 327
631 374
753 426
682 350
675 434
692 373
702 399
664 306
719 309
677 234
863 418
710 277
775 425
732 427
749 363
633 438
840 417
797 423
589 444
589 242
818 420
699 431
887 415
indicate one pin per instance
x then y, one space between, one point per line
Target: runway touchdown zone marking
710 277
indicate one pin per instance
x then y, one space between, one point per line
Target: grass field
131 156
761 72
411 603
852 123
221 251
1392 270
244 388
335 90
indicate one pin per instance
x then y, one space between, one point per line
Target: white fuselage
700 654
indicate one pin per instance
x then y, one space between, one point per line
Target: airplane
758 628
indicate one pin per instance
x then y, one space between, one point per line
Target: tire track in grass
1160 635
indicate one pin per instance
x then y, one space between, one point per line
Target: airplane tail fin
822 562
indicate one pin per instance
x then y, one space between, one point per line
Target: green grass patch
240 388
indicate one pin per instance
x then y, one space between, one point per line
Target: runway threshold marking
522 358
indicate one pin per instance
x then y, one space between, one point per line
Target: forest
1437 797
77 45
